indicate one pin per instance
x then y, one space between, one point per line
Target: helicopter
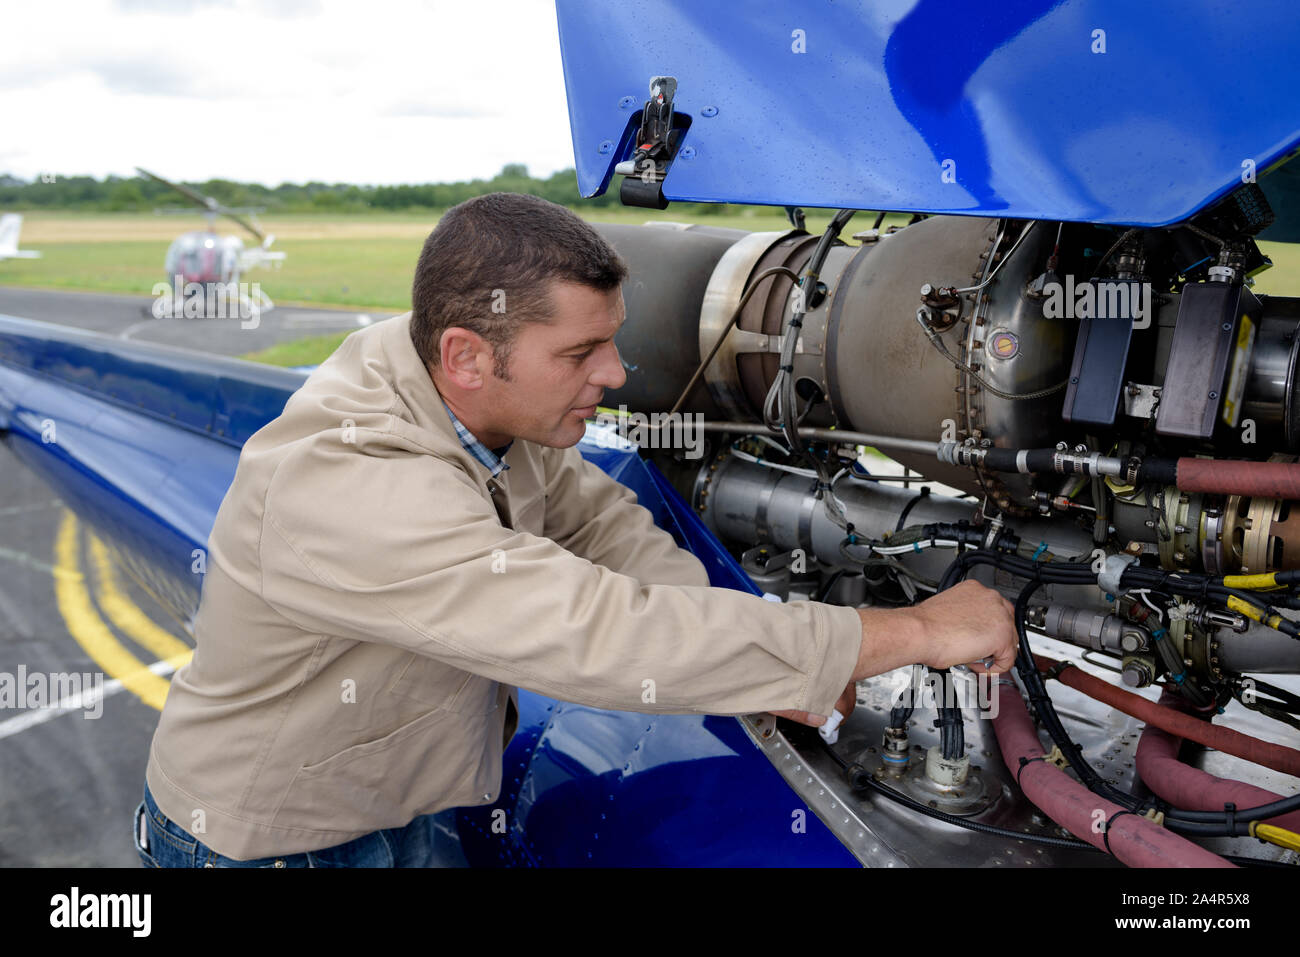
149 437
203 268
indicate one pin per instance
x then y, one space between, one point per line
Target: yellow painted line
89 630
125 614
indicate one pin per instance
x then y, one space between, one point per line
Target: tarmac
70 779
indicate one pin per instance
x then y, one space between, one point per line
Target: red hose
1266 753
1134 840
1185 786
1231 477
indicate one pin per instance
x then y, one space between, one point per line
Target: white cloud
284 90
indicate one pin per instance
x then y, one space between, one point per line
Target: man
416 535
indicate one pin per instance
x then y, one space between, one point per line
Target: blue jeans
428 841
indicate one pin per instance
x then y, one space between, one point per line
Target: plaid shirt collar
490 458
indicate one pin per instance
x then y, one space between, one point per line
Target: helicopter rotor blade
246 223
207 202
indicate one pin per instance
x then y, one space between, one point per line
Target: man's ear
465 356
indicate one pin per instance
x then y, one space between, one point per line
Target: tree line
139 194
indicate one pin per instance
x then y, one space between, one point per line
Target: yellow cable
1267 580
1275 835
1245 607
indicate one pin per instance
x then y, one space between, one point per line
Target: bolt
605 147
709 111
627 101
1214 395
688 153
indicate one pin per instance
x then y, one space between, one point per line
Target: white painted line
24 509
130 330
339 320
77 702
22 558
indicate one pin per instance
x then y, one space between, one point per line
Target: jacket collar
413 385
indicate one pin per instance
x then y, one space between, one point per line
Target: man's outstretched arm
592 515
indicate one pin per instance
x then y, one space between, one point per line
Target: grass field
357 261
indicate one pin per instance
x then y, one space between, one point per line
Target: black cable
952 730
1039 697
1232 823
1269 711
783 384
1291 700
1124 237
830 583
902 519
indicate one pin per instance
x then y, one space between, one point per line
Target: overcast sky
358 91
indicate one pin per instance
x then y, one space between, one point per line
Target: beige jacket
372 598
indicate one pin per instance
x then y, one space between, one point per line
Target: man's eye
582 356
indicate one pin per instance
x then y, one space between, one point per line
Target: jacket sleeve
591 515
405 550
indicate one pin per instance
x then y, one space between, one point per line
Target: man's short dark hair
489 265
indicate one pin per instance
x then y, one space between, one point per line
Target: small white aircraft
11 224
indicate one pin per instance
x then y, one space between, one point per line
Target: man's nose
610 373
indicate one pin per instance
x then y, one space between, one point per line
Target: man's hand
962 625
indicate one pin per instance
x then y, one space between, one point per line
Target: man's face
559 370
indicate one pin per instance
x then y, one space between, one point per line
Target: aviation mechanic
416 536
